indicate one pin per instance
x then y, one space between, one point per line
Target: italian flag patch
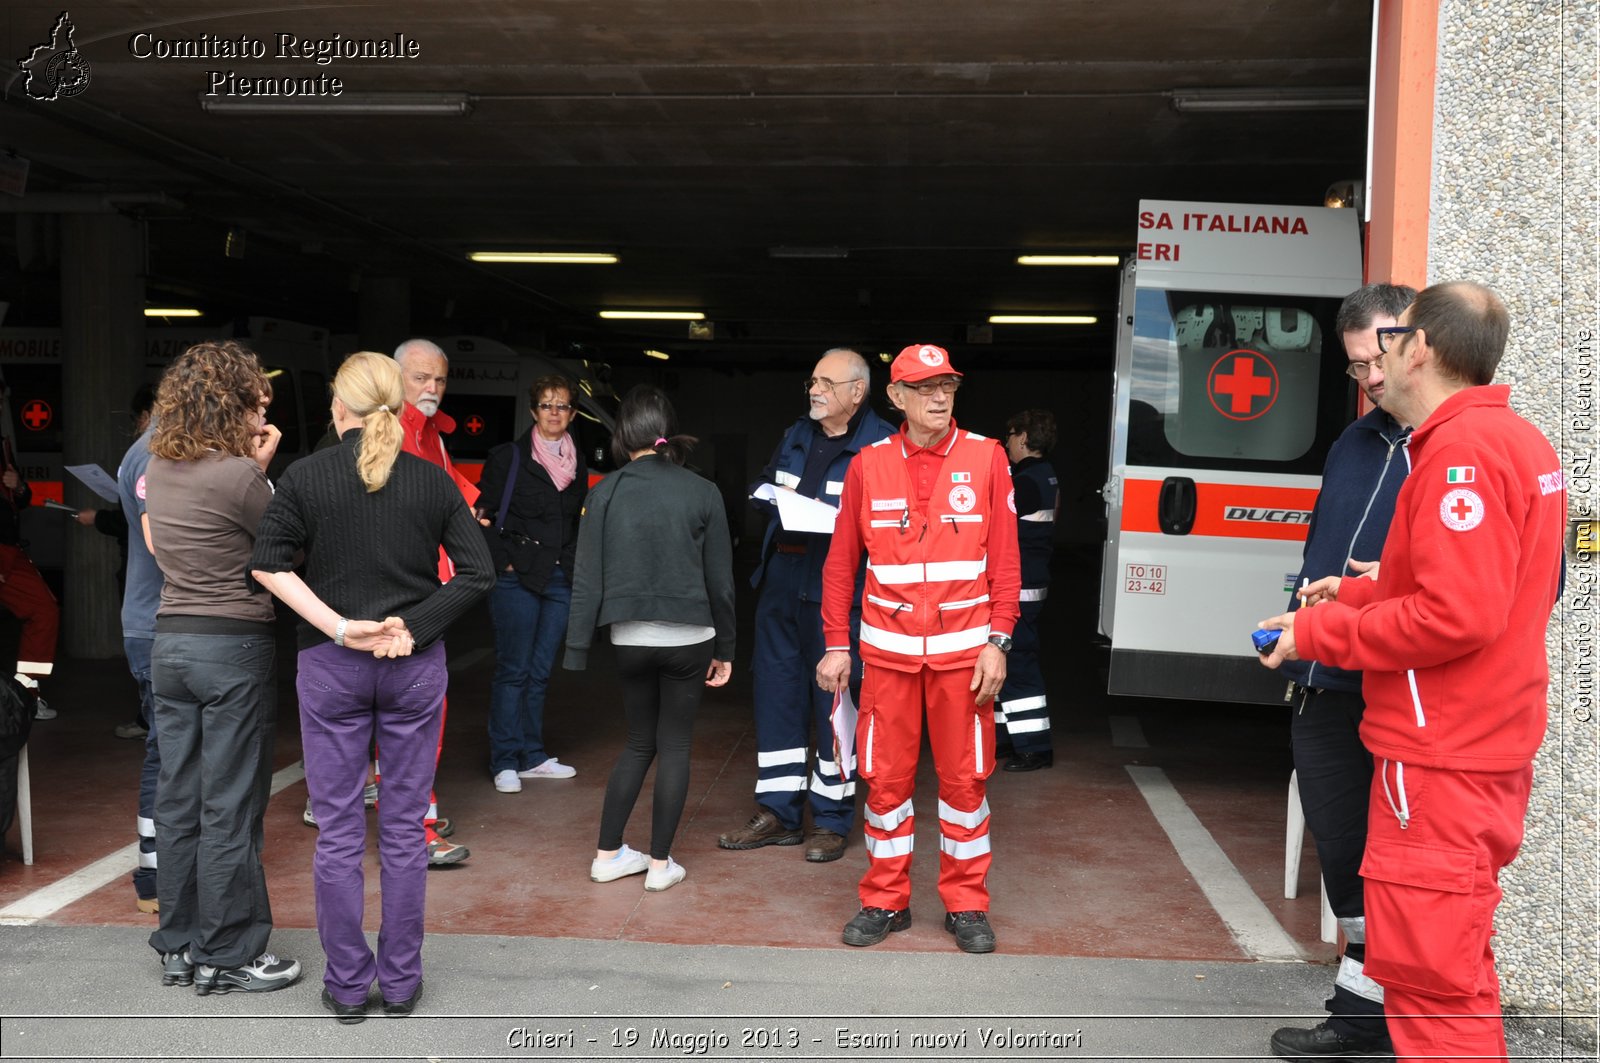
1460 474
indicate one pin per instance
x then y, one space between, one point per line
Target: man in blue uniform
792 712
1360 482
1022 707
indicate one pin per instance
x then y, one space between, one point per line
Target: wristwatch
1001 642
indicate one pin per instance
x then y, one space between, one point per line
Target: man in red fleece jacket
1451 635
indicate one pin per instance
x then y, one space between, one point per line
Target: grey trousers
215 698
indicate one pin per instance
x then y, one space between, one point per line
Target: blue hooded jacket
1360 481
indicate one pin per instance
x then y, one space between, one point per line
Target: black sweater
542 525
652 545
375 554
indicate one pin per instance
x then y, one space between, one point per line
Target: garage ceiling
931 140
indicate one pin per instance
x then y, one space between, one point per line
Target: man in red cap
932 507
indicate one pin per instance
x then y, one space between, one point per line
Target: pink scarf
561 465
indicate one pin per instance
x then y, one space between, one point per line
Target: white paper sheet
796 512
844 733
97 480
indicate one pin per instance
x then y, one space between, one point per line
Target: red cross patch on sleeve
1461 509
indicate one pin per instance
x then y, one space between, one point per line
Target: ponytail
369 385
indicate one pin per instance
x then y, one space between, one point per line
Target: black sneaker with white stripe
177 968
262 975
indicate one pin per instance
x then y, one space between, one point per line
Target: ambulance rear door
1230 389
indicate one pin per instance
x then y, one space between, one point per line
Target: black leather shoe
399 1009
972 930
872 925
1323 1042
348 1014
1030 761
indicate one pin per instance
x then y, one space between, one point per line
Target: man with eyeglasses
933 509
792 715
1360 480
1450 631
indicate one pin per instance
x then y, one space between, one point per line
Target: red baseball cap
919 362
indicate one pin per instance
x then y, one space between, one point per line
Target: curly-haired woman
212 671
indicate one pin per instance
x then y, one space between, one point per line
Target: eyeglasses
1358 370
555 407
948 385
1391 330
824 383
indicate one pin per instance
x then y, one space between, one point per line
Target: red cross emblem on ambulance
1242 385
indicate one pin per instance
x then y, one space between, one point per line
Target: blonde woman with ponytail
370 520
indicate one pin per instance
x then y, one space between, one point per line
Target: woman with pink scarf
530 497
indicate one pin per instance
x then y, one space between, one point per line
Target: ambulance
1229 389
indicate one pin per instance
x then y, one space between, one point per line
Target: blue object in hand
1264 641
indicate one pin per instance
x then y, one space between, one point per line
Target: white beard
428 406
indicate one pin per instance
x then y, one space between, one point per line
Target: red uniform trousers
888 741
25 595
431 817
1431 891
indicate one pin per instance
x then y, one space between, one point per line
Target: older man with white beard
791 711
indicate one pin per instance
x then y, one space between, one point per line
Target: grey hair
859 369
418 346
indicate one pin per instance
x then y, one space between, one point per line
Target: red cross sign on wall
1242 385
37 415
474 425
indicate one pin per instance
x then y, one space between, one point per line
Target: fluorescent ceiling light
1312 99
576 258
1042 319
349 103
652 315
658 355
1068 260
171 311
808 252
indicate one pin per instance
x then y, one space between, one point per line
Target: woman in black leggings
654 563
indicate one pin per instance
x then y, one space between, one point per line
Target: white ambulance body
1229 389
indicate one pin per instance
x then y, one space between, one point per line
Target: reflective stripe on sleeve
786 479
1034 594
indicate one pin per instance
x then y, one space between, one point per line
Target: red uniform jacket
1452 634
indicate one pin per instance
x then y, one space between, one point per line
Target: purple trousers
348 698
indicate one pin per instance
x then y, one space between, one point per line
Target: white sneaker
626 862
550 769
507 782
664 878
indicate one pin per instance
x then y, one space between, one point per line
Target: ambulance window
1224 380
285 409
316 399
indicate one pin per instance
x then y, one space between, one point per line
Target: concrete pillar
1514 205
102 357
384 314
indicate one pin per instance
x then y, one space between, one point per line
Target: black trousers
661 689
1335 775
